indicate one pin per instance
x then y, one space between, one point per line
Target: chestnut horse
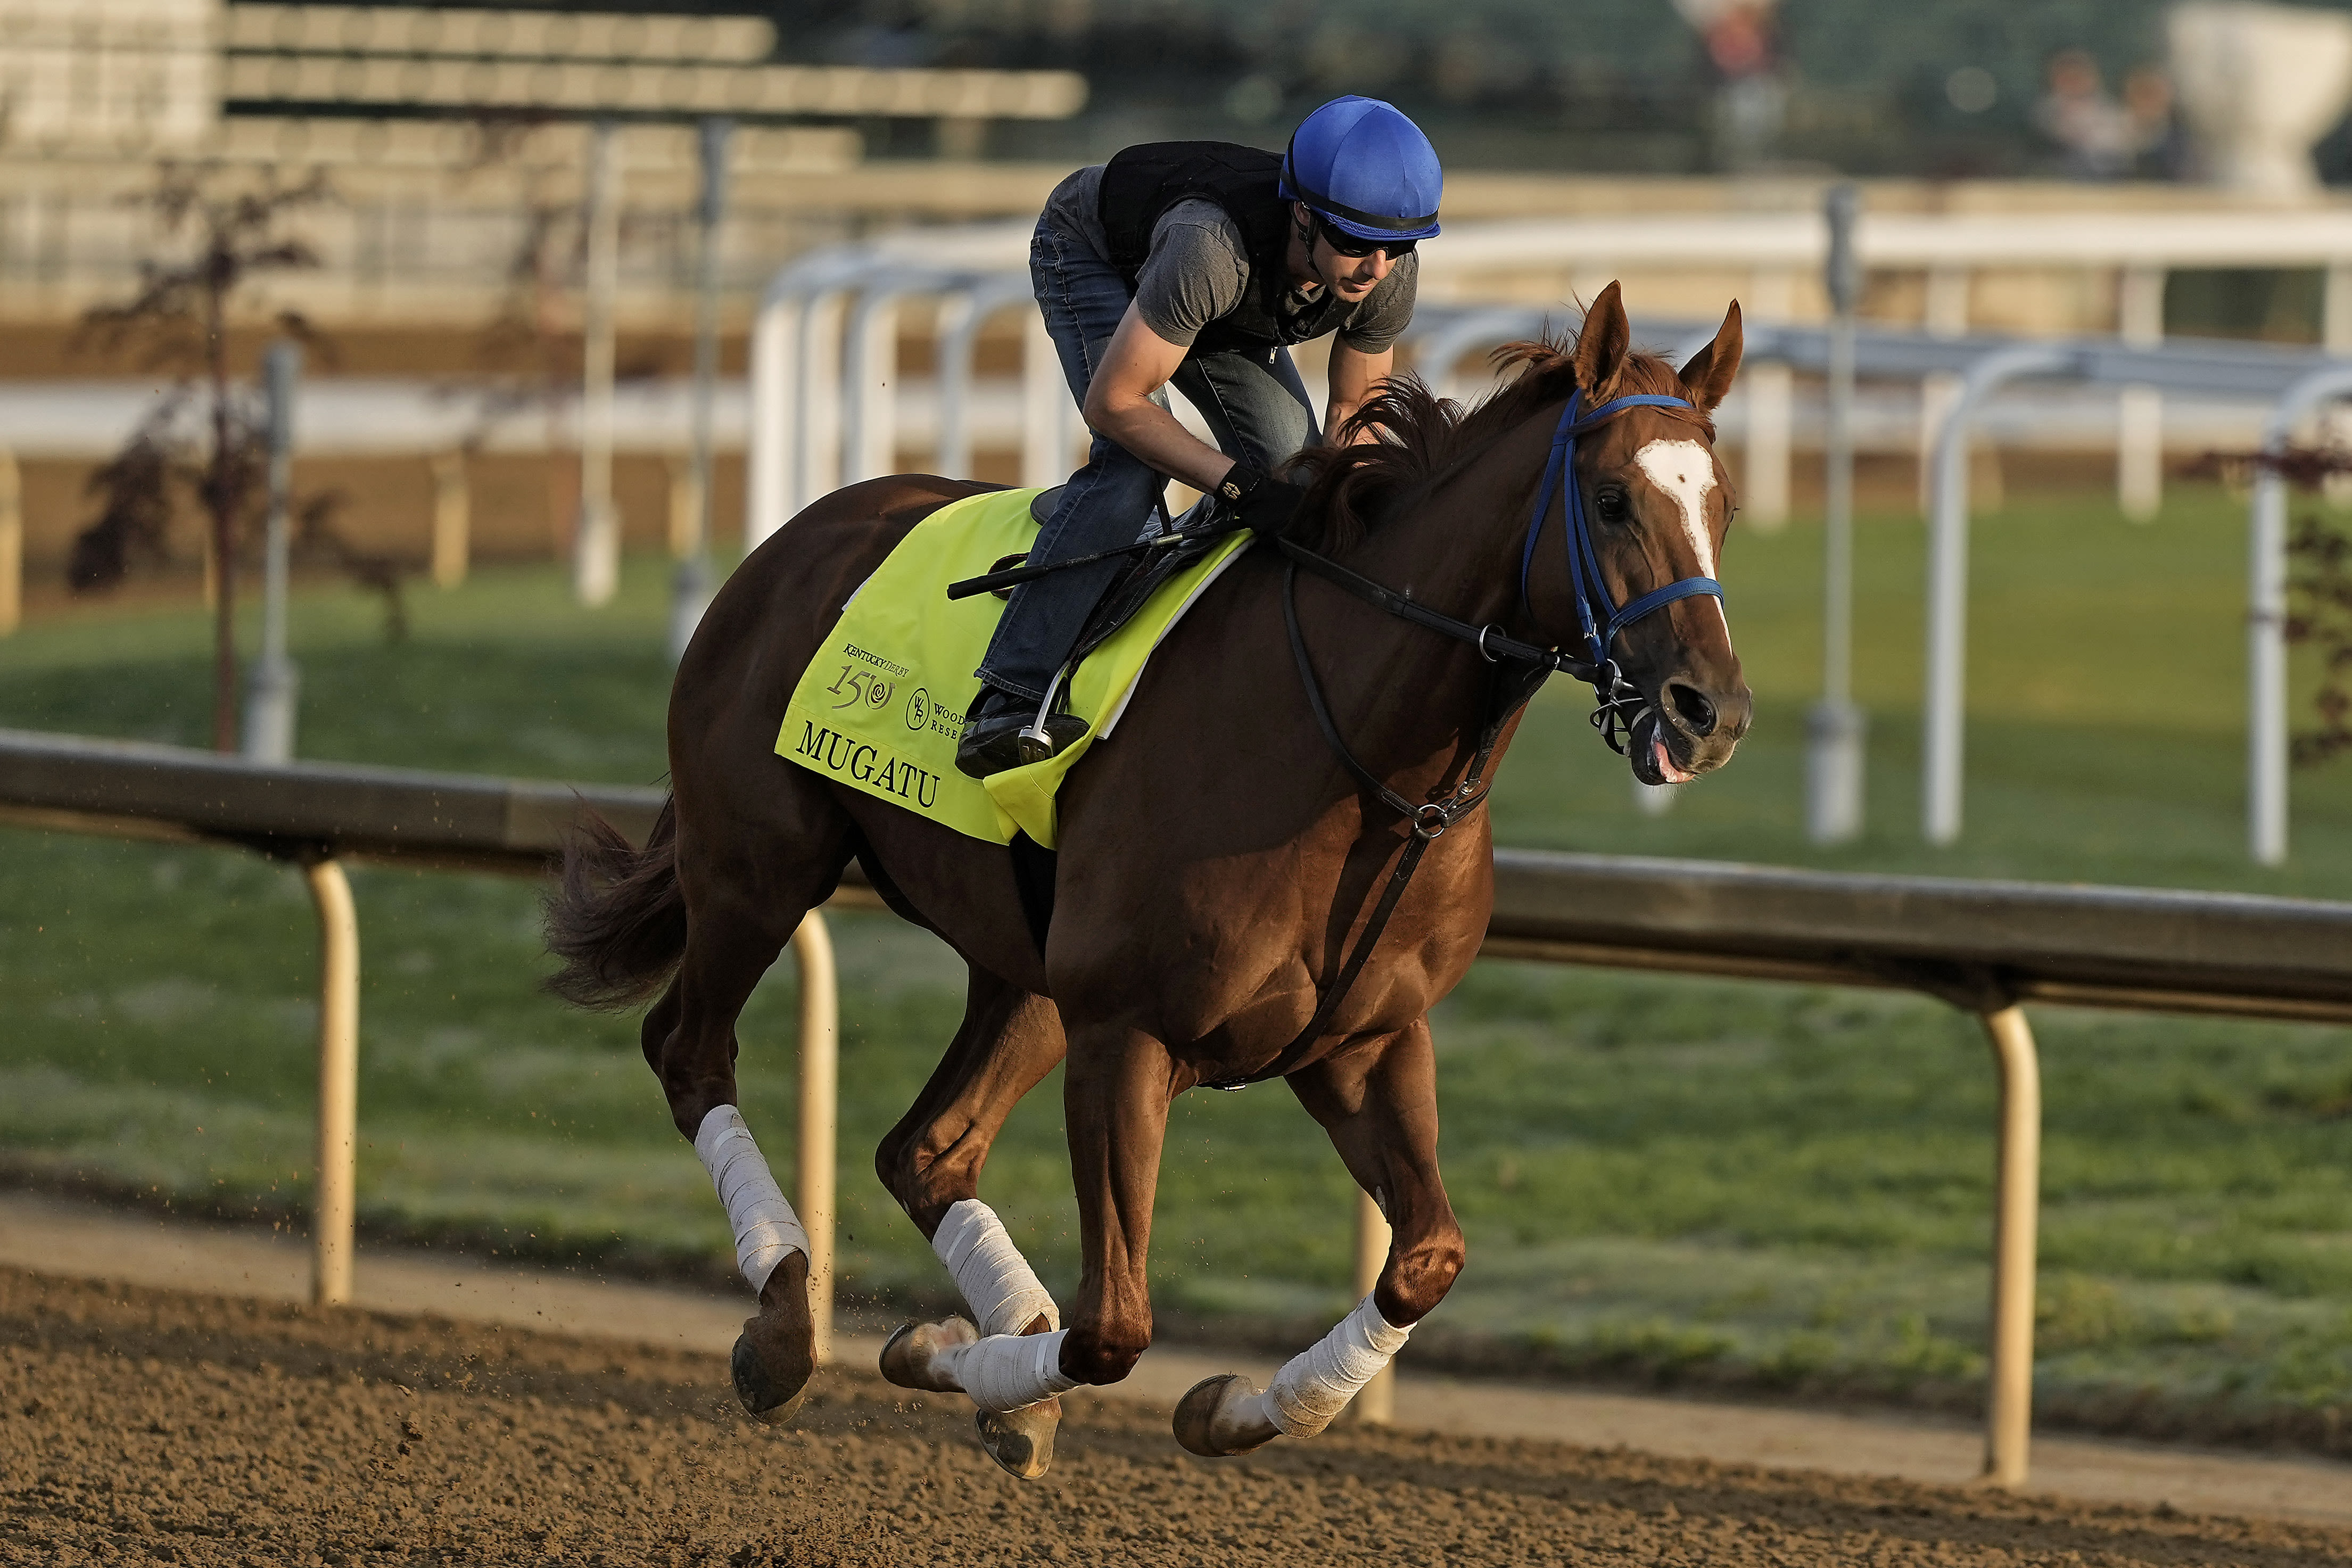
1218 865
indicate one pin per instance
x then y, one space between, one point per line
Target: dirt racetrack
150 1426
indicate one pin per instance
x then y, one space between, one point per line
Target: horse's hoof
775 1355
763 1396
1222 1416
1020 1441
908 1355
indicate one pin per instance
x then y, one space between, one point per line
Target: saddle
881 704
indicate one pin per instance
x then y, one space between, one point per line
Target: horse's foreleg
1378 1104
930 1162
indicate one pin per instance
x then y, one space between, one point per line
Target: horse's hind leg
746 879
1010 1040
1115 1103
1378 1104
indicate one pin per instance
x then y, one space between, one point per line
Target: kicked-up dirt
141 1425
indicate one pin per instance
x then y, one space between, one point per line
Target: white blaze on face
1684 472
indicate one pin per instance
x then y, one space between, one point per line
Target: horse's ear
1602 344
1708 376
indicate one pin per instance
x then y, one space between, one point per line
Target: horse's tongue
1665 764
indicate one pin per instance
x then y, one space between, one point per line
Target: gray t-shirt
1199 268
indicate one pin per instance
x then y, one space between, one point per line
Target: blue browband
1598 617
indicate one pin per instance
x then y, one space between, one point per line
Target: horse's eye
1612 504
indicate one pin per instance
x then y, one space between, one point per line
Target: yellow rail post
685 502
819 1097
1376 1403
2009 1411
452 519
12 543
332 1203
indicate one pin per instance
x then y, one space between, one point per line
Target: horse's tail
615 917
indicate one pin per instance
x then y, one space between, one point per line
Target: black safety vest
1144 182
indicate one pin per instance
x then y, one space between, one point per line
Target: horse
1235 895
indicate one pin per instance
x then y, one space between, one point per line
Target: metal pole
2267 753
2139 410
767 453
452 519
953 331
332 1204
817 435
2335 309
962 314
597 543
1944 314
786 394
869 437
819 1098
1043 393
1376 1401
2008 1410
1942 722
12 543
1833 774
1436 355
1770 390
1948 630
273 685
694 573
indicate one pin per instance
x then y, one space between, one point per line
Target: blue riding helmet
1365 168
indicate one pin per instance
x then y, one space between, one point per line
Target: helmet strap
1304 227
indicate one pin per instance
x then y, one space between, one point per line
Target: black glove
1258 501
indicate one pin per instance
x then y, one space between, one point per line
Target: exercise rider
1199 263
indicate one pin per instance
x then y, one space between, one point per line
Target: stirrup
1037 740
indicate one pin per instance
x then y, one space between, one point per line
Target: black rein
1428 820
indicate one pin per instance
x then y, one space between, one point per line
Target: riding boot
993 738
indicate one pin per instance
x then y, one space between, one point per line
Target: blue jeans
1256 406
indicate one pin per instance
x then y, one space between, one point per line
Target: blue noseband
1598 615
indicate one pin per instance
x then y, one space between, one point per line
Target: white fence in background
2128 254
1772 257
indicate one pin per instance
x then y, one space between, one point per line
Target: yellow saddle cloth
882 704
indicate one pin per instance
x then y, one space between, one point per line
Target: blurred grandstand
454 142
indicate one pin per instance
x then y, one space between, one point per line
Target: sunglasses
1356 248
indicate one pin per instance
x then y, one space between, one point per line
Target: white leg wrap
765 1226
996 1280
1311 1390
1009 1372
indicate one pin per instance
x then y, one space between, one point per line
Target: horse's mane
1417 437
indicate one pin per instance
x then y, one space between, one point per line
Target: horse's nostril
1696 711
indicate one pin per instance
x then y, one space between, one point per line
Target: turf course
1661 1178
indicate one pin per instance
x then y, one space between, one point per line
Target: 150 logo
854 686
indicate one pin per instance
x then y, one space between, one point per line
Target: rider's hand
1258 501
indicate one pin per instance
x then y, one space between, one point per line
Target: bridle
1599 619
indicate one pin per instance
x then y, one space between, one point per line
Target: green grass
1763 1184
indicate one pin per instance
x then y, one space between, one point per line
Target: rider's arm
1120 405
1355 376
